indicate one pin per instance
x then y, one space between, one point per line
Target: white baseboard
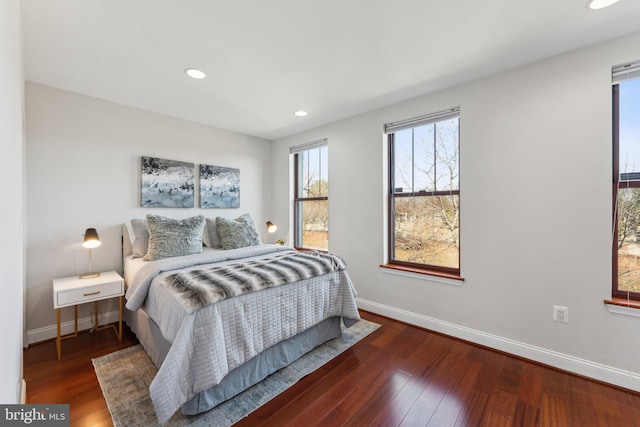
597 371
84 323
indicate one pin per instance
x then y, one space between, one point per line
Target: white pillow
141 242
211 231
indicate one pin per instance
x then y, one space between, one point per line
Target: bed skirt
242 377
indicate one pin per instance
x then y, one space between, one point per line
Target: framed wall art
167 183
219 187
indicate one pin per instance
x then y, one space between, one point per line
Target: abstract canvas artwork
219 187
167 183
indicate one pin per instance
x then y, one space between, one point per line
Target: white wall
83 170
12 200
536 213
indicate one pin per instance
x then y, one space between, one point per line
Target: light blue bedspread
212 341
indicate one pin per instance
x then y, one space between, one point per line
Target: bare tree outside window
629 239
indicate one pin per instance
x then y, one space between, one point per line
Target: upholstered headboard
127 239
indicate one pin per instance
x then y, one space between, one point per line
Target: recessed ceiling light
300 113
195 73
600 4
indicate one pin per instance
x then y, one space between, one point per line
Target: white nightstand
71 291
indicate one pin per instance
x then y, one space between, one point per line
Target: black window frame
393 195
618 184
298 200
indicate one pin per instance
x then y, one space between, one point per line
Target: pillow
211 230
205 236
170 237
237 233
141 242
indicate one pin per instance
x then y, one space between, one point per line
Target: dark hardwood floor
72 379
398 376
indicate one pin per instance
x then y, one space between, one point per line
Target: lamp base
89 275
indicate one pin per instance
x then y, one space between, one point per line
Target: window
626 182
424 193
311 201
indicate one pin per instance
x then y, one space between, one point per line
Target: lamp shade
91 239
271 227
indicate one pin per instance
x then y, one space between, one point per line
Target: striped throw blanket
201 287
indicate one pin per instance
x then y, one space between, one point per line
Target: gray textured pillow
170 237
141 242
237 233
212 232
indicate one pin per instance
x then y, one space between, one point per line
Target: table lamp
91 240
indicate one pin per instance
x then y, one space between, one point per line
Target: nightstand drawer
89 293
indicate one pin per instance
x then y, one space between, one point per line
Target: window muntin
626 187
424 196
311 201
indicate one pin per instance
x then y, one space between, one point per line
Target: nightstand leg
96 310
75 318
120 319
58 338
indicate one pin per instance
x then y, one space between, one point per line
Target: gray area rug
125 377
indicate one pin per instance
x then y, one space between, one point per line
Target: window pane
313 173
303 174
315 224
403 161
424 167
324 172
629 239
447 155
427 230
630 129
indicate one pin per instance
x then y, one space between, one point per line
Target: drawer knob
92 293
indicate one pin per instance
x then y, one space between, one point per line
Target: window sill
416 273
623 306
310 250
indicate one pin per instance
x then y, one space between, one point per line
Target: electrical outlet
560 314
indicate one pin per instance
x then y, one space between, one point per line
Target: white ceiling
265 59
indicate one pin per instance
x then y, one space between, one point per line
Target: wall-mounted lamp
91 240
271 228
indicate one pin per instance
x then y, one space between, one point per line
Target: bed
211 345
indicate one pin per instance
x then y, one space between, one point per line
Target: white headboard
127 239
